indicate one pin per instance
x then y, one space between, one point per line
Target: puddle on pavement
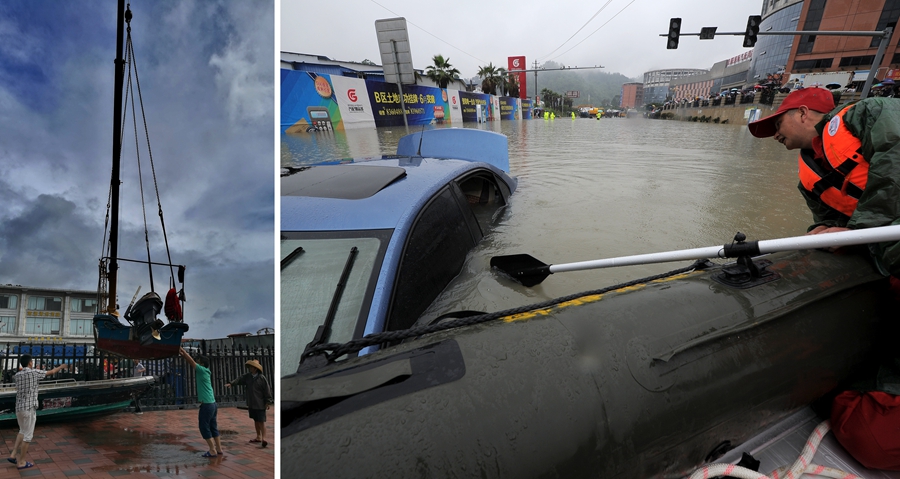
148 451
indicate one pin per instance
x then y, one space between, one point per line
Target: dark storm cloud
50 244
207 83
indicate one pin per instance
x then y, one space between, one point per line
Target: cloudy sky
206 73
623 36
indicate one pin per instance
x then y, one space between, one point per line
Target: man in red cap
849 167
849 162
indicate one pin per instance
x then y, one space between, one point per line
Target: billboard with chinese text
314 102
509 108
470 102
425 105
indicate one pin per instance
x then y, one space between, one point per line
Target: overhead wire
595 31
580 29
426 31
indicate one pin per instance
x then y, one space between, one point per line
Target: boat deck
782 443
154 444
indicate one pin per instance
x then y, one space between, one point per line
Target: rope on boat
353 346
802 466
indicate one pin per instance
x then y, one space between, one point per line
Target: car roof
383 197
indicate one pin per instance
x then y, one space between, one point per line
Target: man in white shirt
26 407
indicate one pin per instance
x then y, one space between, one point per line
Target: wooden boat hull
113 336
63 400
642 382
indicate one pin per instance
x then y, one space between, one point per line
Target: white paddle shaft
824 240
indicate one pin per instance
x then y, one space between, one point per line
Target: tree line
596 88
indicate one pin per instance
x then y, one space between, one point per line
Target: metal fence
176 385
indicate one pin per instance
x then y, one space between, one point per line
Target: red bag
867 424
173 306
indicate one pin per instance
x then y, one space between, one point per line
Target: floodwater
591 189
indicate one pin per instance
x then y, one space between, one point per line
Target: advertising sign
308 102
455 104
425 105
526 109
509 108
353 102
469 101
518 63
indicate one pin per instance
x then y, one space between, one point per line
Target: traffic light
674 31
752 30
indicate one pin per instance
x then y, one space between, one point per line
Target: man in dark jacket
258 396
849 168
849 163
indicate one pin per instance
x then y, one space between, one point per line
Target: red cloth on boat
173 306
867 424
895 288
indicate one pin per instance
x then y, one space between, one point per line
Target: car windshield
309 282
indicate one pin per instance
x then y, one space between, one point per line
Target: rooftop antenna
421 137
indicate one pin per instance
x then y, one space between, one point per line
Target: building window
44 303
82 305
857 61
42 325
7 325
810 64
813 20
81 327
889 15
8 301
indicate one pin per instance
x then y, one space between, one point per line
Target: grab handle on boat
306 390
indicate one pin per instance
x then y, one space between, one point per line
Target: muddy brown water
591 189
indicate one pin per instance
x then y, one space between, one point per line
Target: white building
30 314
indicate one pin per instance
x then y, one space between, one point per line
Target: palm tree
511 85
441 72
492 77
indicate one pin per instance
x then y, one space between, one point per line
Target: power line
580 29
595 31
426 31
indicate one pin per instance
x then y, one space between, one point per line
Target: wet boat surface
643 381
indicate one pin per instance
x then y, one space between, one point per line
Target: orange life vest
839 182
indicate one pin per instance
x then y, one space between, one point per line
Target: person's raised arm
57 369
187 357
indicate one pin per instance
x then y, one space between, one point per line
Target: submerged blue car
367 245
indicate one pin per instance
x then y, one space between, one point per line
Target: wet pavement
154 444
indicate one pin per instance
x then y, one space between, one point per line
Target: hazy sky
207 78
623 37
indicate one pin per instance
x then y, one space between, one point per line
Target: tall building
46 314
826 53
771 53
632 95
723 76
656 82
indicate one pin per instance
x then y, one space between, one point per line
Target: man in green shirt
208 410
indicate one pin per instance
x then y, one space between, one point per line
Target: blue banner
425 105
508 107
470 103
